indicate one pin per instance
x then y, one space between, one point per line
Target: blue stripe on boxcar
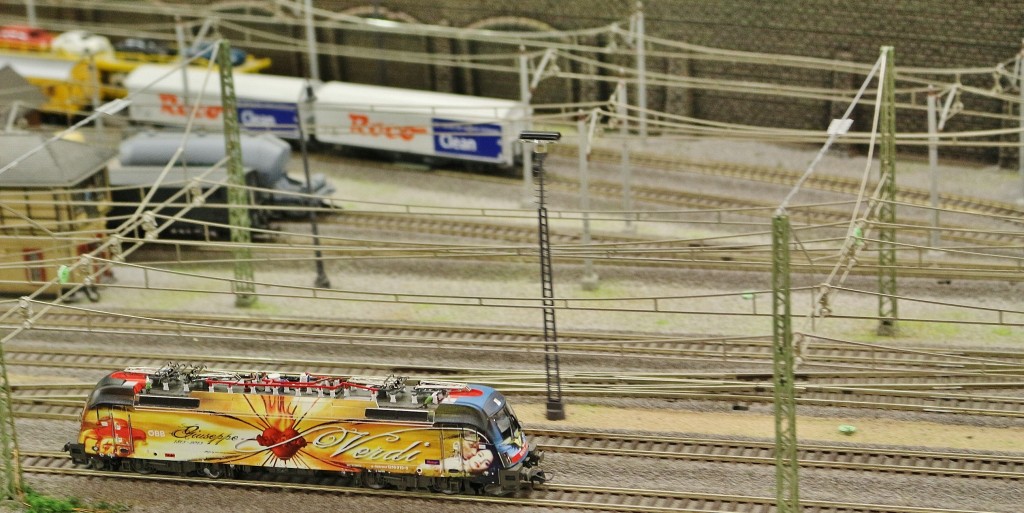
461 139
281 119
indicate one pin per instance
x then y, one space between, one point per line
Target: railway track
732 207
68 407
622 248
779 176
690 386
763 453
577 497
607 248
324 332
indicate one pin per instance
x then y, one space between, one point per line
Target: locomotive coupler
535 476
534 457
77 453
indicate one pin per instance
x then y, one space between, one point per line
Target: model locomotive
448 437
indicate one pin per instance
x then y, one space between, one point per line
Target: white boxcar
266 103
419 122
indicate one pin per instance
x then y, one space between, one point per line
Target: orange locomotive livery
444 436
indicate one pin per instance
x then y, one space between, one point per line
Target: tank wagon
429 125
264 156
376 432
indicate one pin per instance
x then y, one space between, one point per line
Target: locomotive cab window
507 424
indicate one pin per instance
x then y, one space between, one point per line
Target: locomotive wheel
346 479
141 466
493 490
97 464
214 471
373 480
446 486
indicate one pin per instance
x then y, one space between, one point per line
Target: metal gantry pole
787 479
243 286
13 488
314 64
1020 114
641 69
590 278
555 408
625 171
94 86
525 95
30 12
179 34
887 305
321 280
933 164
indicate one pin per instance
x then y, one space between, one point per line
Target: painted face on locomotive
501 426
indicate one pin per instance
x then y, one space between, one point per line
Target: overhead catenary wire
741 130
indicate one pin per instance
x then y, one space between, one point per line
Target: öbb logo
171 104
361 125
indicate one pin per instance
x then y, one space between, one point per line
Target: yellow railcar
66 82
72 83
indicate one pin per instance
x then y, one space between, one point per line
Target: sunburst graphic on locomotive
307 432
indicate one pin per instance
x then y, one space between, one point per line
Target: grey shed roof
61 163
14 88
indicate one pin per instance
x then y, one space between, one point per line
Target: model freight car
429 125
443 436
266 103
432 125
208 219
273 194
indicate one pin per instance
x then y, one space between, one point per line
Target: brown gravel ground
415 186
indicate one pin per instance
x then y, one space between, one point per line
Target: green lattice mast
887 313
12 485
238 198
787 480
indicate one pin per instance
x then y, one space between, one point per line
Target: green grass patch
265 307
38 503
932 330
602 291
435 313
1003 331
